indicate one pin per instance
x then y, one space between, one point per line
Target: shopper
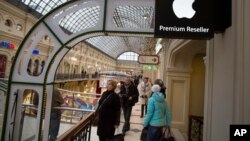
144 89
129 96
55 116
158 115
109 113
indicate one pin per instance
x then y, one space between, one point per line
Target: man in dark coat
109 113
129 96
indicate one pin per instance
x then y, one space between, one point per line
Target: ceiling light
73 58
145 16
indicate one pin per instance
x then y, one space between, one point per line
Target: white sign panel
148 59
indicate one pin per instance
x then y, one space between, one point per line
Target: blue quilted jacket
157 112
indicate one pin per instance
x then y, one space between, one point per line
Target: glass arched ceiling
116 45
129 56
126 16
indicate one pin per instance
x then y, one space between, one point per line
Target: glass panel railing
67 122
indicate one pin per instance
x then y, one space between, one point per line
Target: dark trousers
142 109
154 133
127 113
55 119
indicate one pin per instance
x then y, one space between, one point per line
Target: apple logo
183 8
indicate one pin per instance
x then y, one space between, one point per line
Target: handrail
77 92
73 109
60 108
81 131
83 111
81 76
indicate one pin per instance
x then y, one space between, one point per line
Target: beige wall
197 86
180 66
227 91
227 80
178 98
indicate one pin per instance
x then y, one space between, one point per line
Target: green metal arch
63 46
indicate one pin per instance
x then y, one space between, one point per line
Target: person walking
109 113
158 115
129 96
55 116
144 89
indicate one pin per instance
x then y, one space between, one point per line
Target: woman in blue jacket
158 115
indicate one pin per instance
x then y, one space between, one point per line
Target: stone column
163 60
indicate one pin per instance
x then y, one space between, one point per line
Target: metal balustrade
195 128
80 132
76 76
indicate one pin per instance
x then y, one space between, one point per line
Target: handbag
96 116
167 135
118 137
144 134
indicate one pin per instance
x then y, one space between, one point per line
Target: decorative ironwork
80 132
195 128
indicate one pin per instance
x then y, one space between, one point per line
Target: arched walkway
51 25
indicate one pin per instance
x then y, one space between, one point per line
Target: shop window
8 23
30 113
29 67
36 66
19 27
12 58
3 61
42 65
30 97
46 37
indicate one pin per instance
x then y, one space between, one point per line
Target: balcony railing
195 128
76 76
80 132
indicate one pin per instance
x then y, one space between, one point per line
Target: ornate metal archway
63 41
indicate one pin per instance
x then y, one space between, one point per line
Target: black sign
190 19
239 132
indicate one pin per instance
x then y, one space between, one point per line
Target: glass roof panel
80 20
124 17
115 45
43 6
133 16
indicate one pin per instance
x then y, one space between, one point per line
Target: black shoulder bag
96 117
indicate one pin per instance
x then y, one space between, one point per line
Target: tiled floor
132 135
136 127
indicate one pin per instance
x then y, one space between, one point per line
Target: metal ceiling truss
51 25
